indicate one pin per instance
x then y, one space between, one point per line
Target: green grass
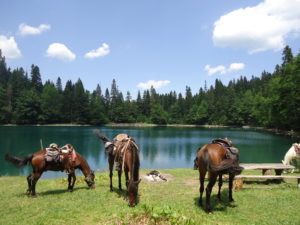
173 202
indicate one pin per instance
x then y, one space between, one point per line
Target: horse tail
227 166
196 163
18 161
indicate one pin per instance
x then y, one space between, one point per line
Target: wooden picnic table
267 167
266 172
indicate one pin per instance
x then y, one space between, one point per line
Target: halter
89 180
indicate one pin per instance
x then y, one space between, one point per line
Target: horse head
132 192
297 148
109 146
90 179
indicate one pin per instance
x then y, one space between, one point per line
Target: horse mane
83 163
135 161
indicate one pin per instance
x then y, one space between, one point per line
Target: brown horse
130 163
39 165
214 159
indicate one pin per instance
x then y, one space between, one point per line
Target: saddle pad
121 137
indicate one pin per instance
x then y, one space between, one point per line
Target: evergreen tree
51 104
36 81
97 109
287 56
81 102
3 71
68 105
59 85
28 107
5 112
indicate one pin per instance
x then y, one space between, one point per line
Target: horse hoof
111 190
70 190
33 195
208 210
231 200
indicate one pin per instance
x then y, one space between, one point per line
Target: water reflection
160 147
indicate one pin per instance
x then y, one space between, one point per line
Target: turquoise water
160 147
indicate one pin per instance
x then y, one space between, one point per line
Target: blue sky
169 44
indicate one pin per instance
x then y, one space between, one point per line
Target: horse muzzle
132 204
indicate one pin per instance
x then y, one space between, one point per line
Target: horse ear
139 181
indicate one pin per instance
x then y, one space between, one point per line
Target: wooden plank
261 166
266 177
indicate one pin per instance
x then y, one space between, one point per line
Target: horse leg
220 185
126 176
29 177
120 179
211 183
34 179
111 167
71 179
231 178
201 189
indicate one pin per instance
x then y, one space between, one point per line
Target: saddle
52 155
231 152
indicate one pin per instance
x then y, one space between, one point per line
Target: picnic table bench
266 169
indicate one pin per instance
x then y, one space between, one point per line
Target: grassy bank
173 202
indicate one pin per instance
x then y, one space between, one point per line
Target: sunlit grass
173 202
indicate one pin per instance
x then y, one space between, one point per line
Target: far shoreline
290 133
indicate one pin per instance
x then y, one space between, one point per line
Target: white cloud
29 30
100 52
236 66
223 70
60 51
211 70
9 47
259 28
155 84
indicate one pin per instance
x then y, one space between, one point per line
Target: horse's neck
84 167
135 165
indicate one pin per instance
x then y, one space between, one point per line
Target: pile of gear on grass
156 177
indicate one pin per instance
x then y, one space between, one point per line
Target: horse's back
210 154
38 159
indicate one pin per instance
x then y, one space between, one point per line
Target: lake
160 147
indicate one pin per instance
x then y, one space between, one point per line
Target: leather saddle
232 152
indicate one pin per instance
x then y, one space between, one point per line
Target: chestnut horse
39 165
213 158
130 163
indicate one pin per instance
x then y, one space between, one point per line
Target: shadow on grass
121 193
57 191
216 204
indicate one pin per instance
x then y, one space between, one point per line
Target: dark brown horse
214 159
128 151
39 165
